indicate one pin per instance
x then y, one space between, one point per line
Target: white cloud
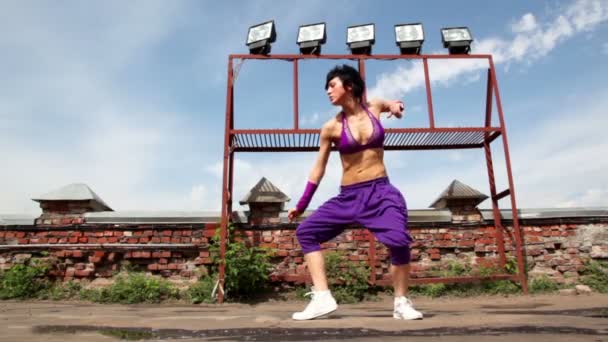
312 119
532 41
527 23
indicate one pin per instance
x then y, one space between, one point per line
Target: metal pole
225 185
296 103
429 95
490 166
516 228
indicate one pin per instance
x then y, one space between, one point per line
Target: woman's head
341 80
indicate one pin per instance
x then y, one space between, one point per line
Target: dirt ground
551 318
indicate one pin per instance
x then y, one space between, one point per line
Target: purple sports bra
349 145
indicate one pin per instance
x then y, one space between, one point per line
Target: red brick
108 233
146 254
167 233
209 233
112 240
94 260
203 254
187 233
153 267
118 233
175 240
206 260
76 254
144 240
165 239
163 261
23 241
83 240
435 256
102 240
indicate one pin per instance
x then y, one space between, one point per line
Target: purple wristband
306 196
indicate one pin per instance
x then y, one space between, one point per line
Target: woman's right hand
292 214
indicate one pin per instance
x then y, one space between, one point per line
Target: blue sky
129 97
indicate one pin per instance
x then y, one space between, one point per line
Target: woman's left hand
396 109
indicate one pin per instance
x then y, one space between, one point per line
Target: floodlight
311 37
409 38
260 36
457 39
360 38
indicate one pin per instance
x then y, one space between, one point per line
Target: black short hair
349 76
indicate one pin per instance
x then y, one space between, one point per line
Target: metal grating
395 139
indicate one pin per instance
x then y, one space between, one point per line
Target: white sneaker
321 303
404 309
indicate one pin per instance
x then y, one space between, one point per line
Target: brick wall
81 250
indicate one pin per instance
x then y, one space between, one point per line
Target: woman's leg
316 267
401 277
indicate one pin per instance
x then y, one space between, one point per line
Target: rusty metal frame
431 138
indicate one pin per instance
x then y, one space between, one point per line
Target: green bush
595 275
542 284
247 269
348 280
456 269
133 288
200 292
23 281
62 291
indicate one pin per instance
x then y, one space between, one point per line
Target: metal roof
75 192
266 192
143 217
17 220
458 190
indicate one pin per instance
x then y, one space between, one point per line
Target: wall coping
198 217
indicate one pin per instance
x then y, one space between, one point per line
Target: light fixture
457 39
311 37
360 38
409 38
260 36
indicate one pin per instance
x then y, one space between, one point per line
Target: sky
129 97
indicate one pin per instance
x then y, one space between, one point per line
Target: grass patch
132 288
595 275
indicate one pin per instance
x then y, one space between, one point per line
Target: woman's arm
316 174
393 107
318 169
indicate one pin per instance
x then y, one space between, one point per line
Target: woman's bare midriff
363 166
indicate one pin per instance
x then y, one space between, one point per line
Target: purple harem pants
376 205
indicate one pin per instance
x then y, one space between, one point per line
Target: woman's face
336 92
